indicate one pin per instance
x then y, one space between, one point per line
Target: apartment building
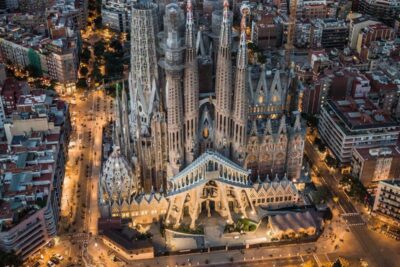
385 10
387 201
117 14
384 89
53 54
371 165
32 158
329 33
373 32
356 23
355 123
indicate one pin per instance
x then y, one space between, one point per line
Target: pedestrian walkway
353 219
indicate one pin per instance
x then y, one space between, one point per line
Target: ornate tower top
226 33
189 9
189 26
117 177
242 54
226 10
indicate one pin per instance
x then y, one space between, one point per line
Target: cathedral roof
209 166
277 186
117 179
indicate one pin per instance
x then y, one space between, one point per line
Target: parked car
55 260
58 256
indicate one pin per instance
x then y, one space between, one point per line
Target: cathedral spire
189 25
240 103
226 31
191 90
117 124
125 123
242 53
223 88
174 65
297 122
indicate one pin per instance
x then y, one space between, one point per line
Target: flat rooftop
378 152
128 239
393 182
360 114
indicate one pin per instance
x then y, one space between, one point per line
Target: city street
285 255
79 209
378 249
79 197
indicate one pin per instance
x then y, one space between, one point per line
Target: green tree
261 58
331 161
98 6
92 5
96 73
34 71
321 148
9 259
114 66
99 49
321 195
98 22
81 84
84 71
253 47
52 85
85 55
312 121
117 46
38 83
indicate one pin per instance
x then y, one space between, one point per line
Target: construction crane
291 31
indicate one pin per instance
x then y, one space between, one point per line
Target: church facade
186 152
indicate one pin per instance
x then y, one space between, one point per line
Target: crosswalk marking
350 214
356 224
326 256
317 260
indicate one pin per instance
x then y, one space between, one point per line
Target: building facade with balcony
329 33
385 10
355 123
387 201
371 165
117 15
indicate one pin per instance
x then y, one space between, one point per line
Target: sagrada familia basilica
184 145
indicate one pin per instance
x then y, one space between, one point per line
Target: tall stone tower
173 65
240 103
147 118
191 90
223 89
295 148
144 73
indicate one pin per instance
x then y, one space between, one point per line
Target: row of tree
9 259
112 58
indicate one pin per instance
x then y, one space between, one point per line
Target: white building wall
341 141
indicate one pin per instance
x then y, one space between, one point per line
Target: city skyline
205 133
